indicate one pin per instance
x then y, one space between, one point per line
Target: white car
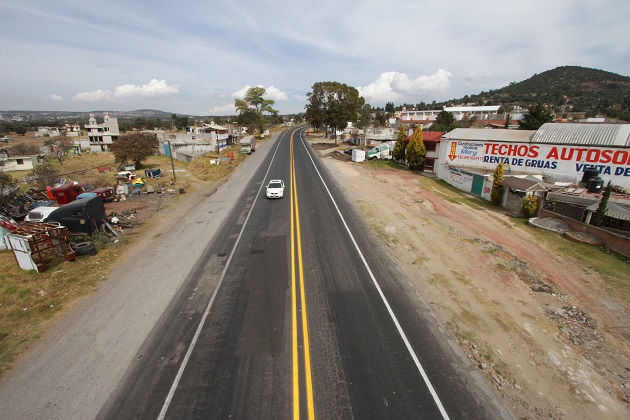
275 188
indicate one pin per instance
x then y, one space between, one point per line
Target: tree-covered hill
567 89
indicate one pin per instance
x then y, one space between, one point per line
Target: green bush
530 206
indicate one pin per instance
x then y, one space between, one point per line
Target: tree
536 116
380 119
180 122
134 147
254 105
389 107
20 130
44 175
443 122
6 184
416 150
400 146
496 195
333 104
24 149
365 116
598 216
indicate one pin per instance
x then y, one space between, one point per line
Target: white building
102 135
47 132
489 112
19 163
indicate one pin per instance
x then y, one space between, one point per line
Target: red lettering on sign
553 153
592 155
621 157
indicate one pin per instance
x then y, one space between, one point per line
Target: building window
19 161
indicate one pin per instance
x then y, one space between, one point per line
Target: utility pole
170 152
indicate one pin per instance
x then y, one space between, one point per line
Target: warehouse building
556 153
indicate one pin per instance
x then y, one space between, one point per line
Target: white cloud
394 86
154 88
240 94
275 94
94 96
270 93
227 109
56 98
474 77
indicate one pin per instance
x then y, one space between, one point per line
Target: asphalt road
295 310
289 308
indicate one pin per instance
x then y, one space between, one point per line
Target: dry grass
28 300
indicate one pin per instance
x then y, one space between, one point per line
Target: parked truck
248 144
67 193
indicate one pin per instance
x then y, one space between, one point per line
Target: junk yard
66 224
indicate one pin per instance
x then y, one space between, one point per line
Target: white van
379 152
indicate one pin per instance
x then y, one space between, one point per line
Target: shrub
530 206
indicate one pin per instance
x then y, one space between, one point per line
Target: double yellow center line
297 275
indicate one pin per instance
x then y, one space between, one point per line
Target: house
71 130
212 133
102 135
516 188
19 163
47 132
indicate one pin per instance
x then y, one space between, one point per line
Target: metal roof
483 134
523 184
584 134
614 210
486 108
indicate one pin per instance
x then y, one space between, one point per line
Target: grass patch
387 163
502 267
467 317
462 278
439 279
611 266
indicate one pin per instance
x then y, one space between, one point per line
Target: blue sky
194 57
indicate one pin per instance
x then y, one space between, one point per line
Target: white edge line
380 292
191 347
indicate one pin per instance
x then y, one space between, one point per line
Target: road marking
310 404
182 367
296 242
296 366
436 398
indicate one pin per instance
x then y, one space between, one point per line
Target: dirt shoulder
539 325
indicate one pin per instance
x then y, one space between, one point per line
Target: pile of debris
579 328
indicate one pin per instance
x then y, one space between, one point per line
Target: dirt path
546 351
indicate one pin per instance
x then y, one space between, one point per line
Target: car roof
275 180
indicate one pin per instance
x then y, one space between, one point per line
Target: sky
195 57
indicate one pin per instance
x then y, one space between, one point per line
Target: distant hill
568 89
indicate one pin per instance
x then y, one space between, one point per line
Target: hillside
568 89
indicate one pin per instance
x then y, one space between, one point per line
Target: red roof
430 136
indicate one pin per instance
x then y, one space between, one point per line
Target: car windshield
275 185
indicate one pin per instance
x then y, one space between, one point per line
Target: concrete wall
611 240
